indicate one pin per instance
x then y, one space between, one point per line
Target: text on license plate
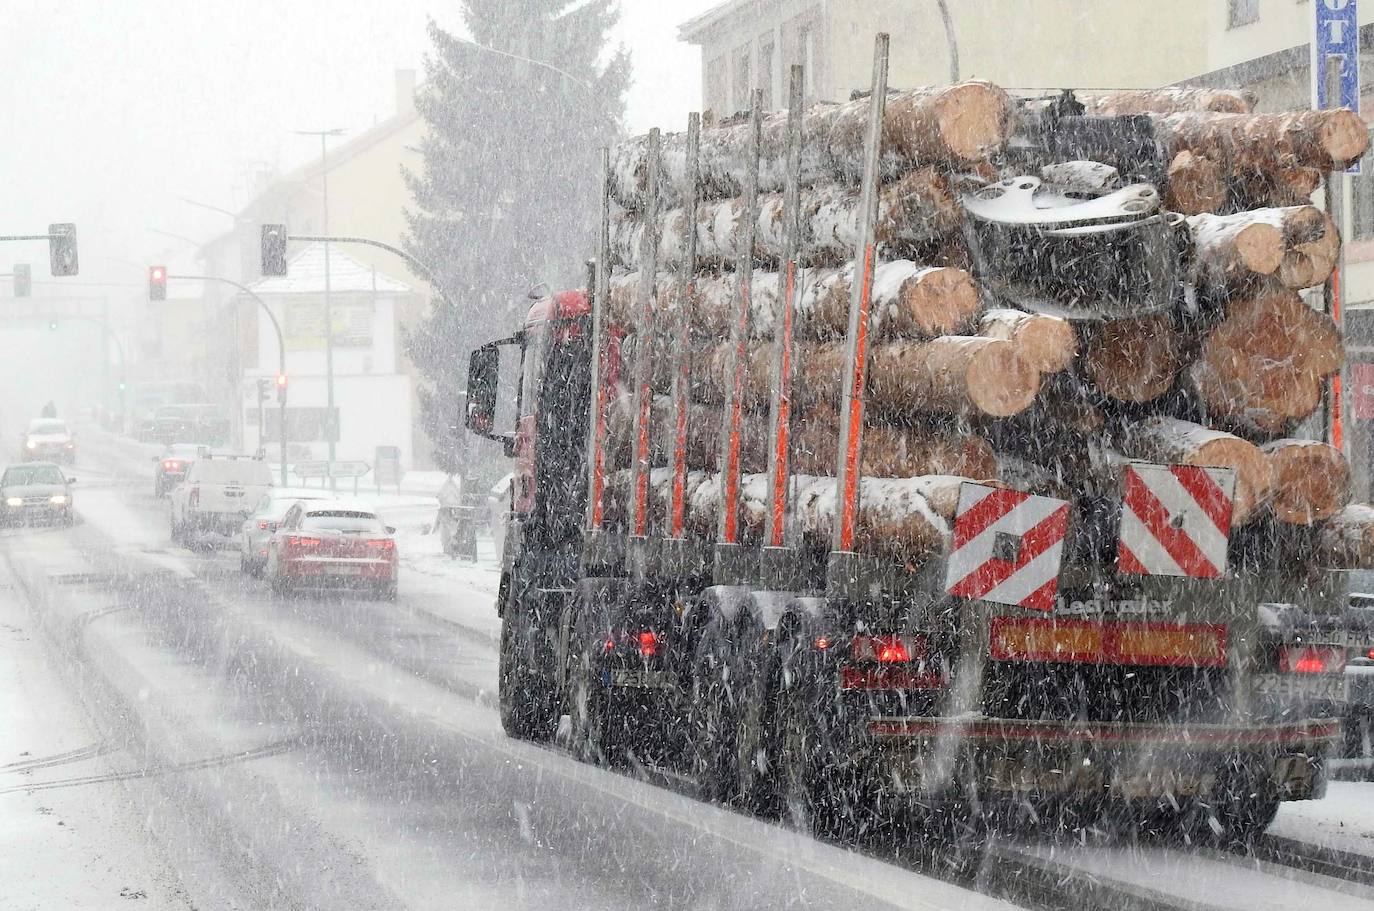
1333 687
634 677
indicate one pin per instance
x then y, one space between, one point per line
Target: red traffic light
157 283
281 380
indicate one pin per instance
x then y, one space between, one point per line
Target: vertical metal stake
852 395
682 374
596 430
645 343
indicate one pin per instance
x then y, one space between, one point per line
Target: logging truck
935 450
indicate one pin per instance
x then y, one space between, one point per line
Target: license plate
1331 687
641 679
348 570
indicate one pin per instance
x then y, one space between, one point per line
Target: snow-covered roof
305 275
689 31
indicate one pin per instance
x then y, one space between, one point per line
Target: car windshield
48 426
21 475
231 471
347 521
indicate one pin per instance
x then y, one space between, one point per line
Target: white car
256 531
333 544
48 440
218 493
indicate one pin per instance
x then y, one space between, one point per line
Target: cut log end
1311 480
1345 136
1001 381
938 302
1133 360
972 120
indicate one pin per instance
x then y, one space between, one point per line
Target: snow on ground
1343 820
68 847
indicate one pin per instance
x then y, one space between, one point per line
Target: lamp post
331 425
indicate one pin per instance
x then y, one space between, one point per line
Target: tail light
194 497
296 544
1311 659
889 649
646 642
384 546
171 465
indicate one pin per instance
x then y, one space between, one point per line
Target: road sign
1362 391
1175 520
1336 47
320 469
1007 547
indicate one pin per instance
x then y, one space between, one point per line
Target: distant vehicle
146 398
217 494
333 544
173 464
36 490
256 531
48 439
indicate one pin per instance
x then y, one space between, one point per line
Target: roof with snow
305 275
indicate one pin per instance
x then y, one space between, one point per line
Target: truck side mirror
484 371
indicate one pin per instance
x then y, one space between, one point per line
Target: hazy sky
114 108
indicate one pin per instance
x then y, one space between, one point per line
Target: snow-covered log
952 126
1047 343
1132 360
1232 251
918 210
909 301
1244 143
1263 367
1346 540
1171 441
1311 480
1169 101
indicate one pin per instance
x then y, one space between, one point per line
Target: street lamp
331 425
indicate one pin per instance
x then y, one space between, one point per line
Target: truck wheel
528 707
1241 805
711 718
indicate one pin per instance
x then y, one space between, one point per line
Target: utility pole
331 425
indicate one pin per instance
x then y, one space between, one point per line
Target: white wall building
372 395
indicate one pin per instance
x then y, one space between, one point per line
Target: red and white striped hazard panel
1175 520
1007 547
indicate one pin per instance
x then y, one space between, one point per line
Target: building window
716 99
743 83
1241 12
1362 199
766 71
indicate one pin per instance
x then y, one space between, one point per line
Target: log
1133 360
1243 143
917 211
1170 101
908 301
951 126
1313 245
1233 251
1175 442
1311 480
1196 185
1346 540
890 451
1047 343
1263 367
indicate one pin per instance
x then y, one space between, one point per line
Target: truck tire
711 719
529 709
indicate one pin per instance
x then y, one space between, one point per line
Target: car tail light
171 465
889 649
296 544
648 644
385 546
194 497
1311 659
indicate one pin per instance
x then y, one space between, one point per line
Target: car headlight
58 499
14 501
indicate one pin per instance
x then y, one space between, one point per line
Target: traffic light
23 280
62 249
157 283
281 387
273 250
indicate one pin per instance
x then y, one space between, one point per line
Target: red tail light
385 546
296 544
1312 659
889 649
194 498
171 465
648 644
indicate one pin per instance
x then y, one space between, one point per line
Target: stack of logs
962 387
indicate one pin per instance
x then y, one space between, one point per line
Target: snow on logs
1311 480
952 126
1263 367
1172 441
1047 343
909 301
1170 101
1244 143
918 210
1297 245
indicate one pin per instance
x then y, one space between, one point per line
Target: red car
333 544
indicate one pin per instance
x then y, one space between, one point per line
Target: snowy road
231 749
